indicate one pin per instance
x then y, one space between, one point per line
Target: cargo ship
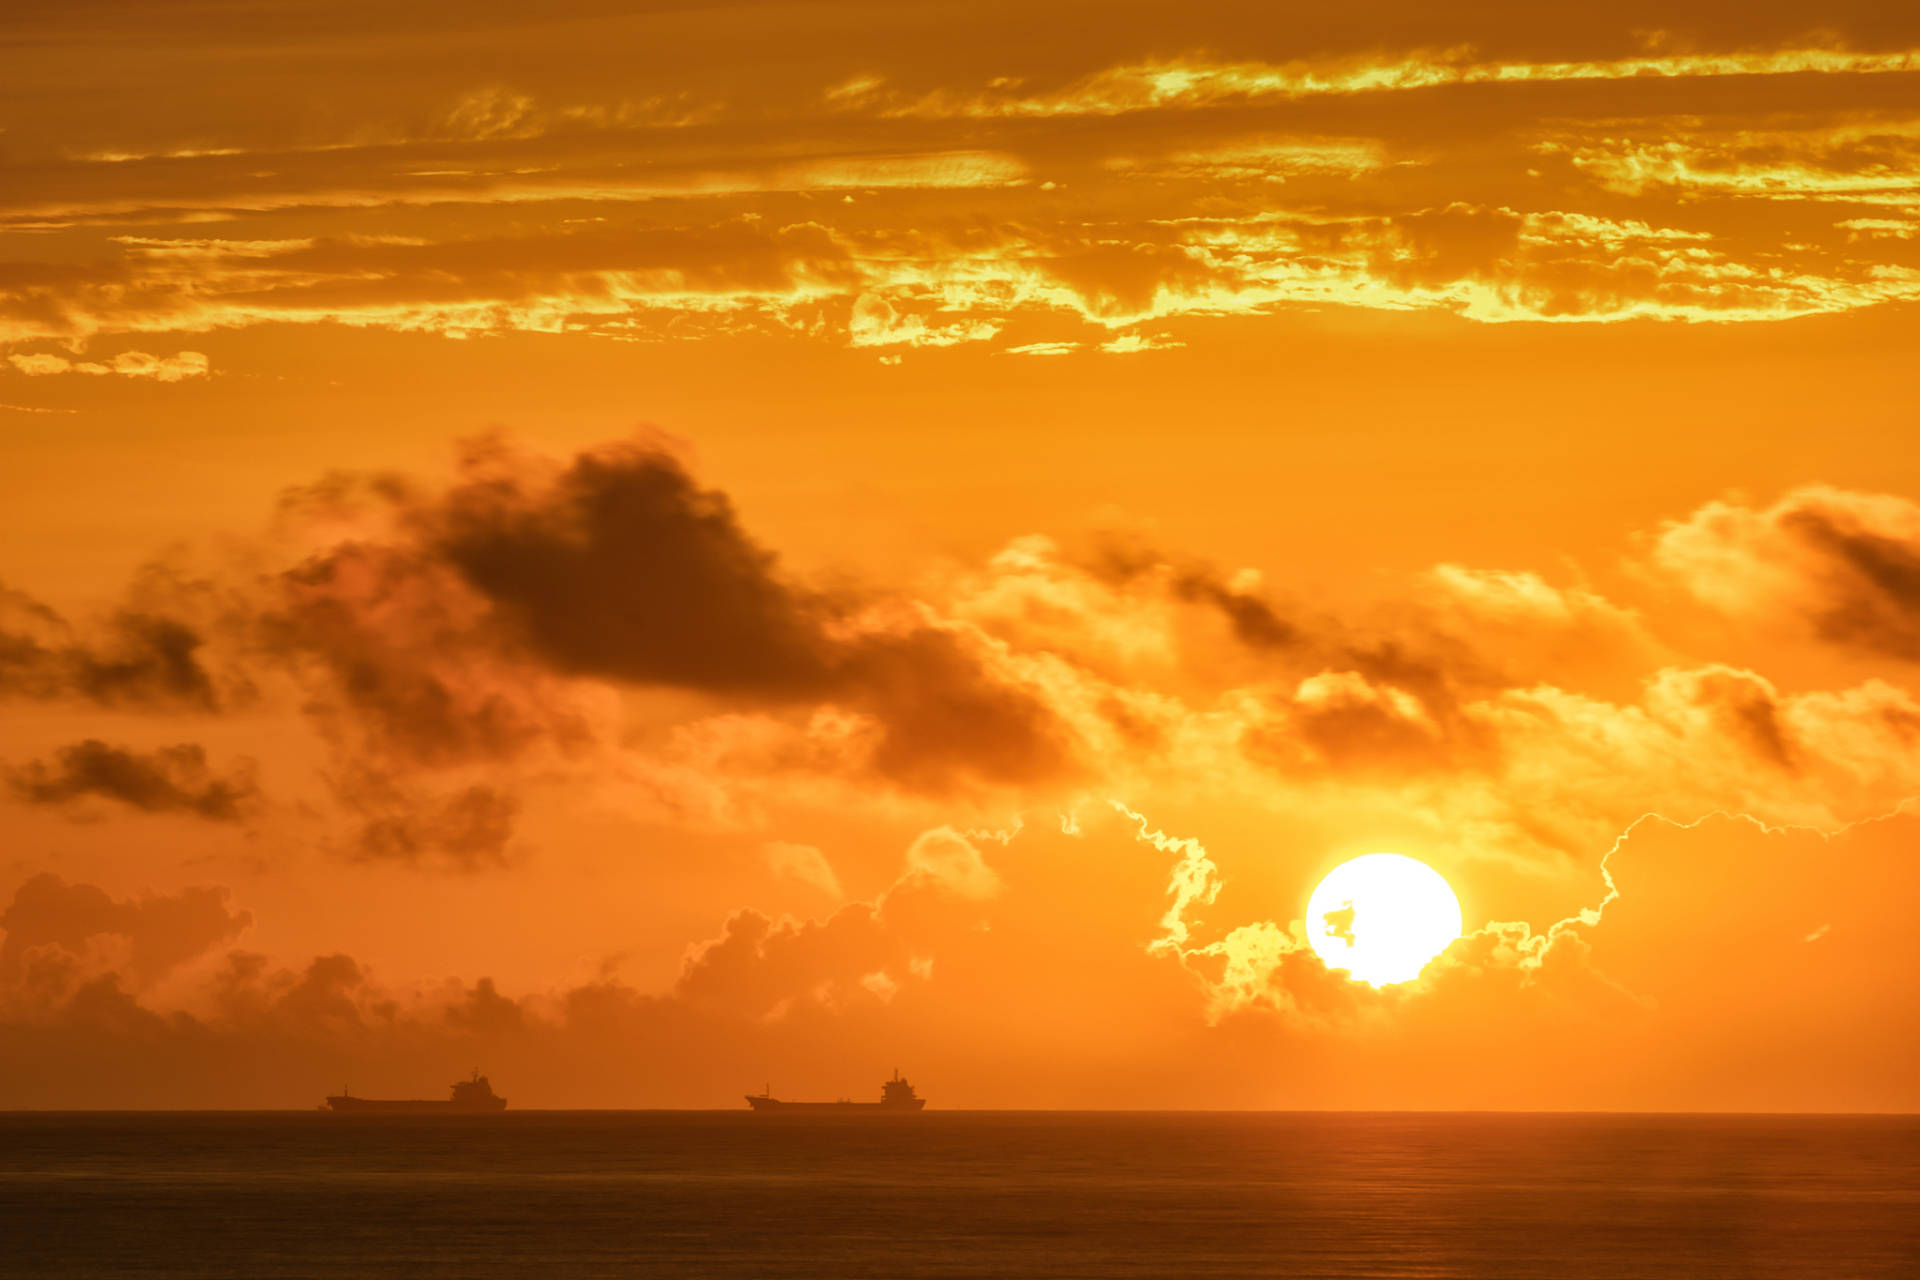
895 1095
469 1097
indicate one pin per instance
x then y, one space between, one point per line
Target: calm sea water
582 1194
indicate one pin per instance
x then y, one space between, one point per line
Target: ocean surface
710 1194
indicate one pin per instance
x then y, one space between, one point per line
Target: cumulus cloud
621 567
1522 596
1676 991
1846 564
54 929
1255 621
605 621
401 662
443 641
864 952
75 962
174 779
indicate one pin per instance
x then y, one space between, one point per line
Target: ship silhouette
895 1095
475 1096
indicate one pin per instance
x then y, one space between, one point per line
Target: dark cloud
434 636
470 827
403 661
1874 586
147 659
174 779
137 658
1255 622
625 568
1747 709
945 717
620 566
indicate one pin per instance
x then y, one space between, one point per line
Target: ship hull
411 1107
775 1104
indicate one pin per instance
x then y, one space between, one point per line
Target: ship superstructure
895 1095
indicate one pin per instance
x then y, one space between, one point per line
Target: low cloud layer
56 932
1670 995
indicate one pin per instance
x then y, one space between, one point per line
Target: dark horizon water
959 1194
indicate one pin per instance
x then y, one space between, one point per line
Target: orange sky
648 548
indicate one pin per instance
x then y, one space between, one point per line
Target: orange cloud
167 780
1197 82
1845 564
130 364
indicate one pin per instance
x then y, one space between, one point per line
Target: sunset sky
650 549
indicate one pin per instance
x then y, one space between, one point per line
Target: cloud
622 566
1133 343
1843 563
1263 159
1254 621
1186 84
1352 722
878 322
630 283
147 937
1692 958
804 863
1520 596
1868 161
447 643
400 662
468 827
261 1034
144 654
130 364
758 967
1669 994
960 278
864 952
946 858
174 779
619 566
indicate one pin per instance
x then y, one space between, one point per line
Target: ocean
958 1194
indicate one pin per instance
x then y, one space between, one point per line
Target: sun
1381 917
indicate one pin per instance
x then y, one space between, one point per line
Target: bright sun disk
1382 917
